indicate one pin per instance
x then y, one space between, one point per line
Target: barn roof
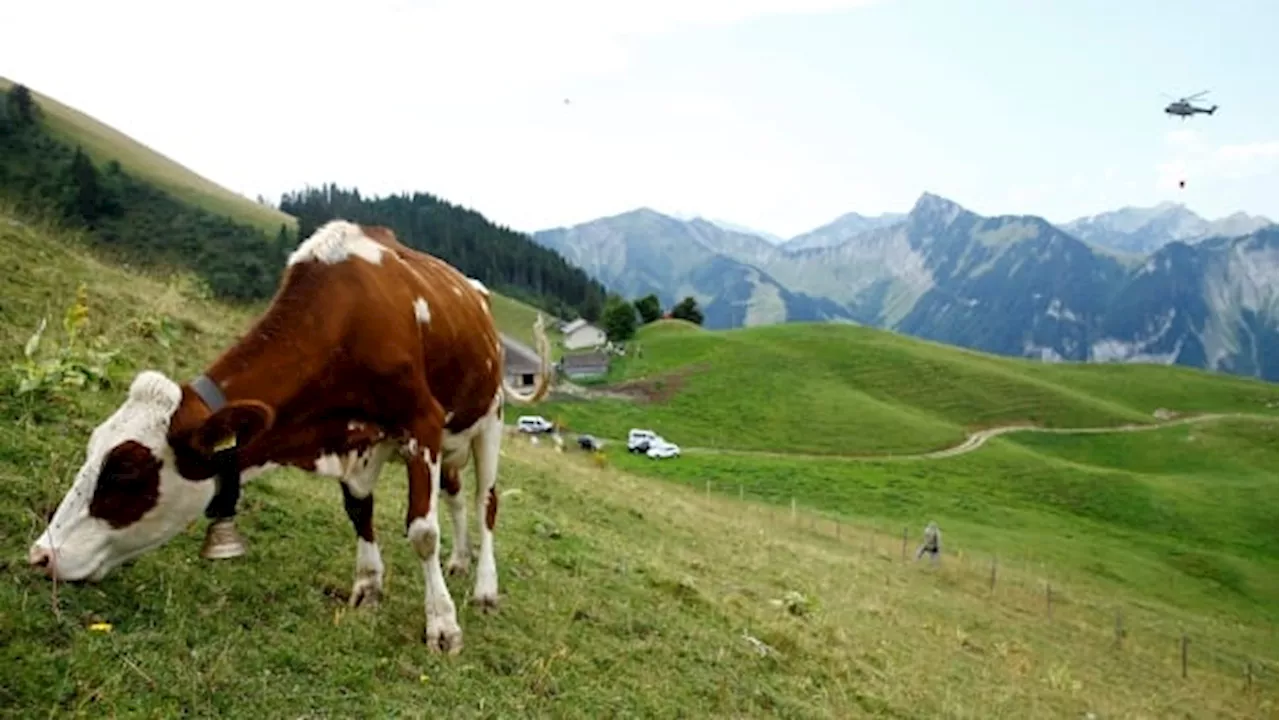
518 357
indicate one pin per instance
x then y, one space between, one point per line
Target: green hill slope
105 143
621 596
843 389
1185 515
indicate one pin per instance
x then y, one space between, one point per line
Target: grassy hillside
843 389
1185 515
516 319
104 143
621 596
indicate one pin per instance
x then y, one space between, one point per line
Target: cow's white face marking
128 463
335 242
421 311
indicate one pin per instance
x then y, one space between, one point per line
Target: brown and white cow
368 347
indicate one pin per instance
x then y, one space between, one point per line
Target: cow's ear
233 426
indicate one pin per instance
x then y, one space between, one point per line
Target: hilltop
105 144
829 388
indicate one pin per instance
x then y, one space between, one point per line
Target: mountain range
1156 284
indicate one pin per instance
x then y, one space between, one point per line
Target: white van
533 424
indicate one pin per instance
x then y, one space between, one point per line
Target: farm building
520 363
585 365
581 334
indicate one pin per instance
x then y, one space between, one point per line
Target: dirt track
974 441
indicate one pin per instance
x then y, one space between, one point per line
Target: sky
773 114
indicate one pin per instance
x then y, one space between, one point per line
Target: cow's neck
274 362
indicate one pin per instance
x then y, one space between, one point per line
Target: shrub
75 364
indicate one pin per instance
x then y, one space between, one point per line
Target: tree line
620 319
504 260
134 221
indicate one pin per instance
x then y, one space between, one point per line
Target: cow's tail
543 386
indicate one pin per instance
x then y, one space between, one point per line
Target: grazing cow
368 347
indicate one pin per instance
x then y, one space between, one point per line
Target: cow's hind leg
357 498
422 461
451 484
486 447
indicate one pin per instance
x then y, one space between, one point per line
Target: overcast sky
775 114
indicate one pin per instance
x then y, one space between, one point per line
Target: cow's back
460 345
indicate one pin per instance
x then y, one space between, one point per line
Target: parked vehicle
589 443
663 449
533 424
639 440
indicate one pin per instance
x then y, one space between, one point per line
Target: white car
663 449
533 424
639 440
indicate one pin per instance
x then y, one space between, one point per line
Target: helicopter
1183 107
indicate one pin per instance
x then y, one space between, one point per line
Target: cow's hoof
486 604
458 566
222 541
367 592
443 636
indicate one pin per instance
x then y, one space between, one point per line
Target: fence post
708 491
904 544
1048 599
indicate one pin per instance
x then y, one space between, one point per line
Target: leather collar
209 392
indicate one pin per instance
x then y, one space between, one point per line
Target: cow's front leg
423 529
460 554
367 588
221 539
358 481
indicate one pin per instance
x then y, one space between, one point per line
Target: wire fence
1123 626
1177 646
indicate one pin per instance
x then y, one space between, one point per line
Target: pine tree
687 309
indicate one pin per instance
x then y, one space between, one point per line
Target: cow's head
148 473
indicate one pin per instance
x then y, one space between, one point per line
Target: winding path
975 440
